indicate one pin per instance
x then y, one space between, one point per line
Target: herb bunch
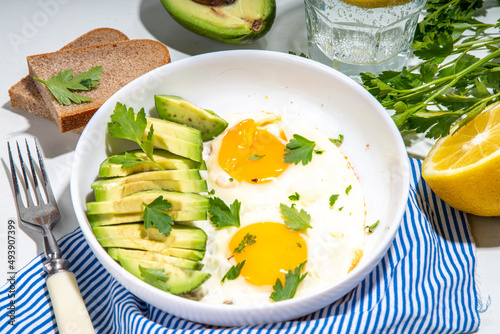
450 85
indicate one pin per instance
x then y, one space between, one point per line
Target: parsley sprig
299 149
126 124
64 83
233 272
295 220
437 94
292 281
155 277
155 215
222 215
248 240
333 199
372 227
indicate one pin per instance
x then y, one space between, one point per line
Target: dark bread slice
97 36
121 63
24 95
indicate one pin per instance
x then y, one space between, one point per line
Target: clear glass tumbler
356 36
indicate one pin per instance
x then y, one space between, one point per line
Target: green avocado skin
228 35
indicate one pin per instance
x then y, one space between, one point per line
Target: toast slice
121 63
25 96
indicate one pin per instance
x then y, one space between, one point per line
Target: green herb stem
429 17
448 82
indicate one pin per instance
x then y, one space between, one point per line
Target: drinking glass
356 36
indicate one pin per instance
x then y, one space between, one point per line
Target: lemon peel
463 168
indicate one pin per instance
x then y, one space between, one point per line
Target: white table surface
38 26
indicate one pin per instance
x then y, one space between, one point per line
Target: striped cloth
424 284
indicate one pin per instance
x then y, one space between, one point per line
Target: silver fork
41 214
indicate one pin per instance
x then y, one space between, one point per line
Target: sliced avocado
180 174
120 191
164 158
177 146
176 138
133 203
184 180
175 130
227 21
180 280
123 253
191 254
114 219
176 109
136 236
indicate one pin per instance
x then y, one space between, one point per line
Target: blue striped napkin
424 284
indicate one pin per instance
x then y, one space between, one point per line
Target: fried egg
245 163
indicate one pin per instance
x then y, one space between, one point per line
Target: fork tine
46 182
34 174
15 182
29 200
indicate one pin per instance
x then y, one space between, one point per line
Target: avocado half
226 21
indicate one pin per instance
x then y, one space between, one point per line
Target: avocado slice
179 281
133 203
114 219
189 254
176 109
226 21
175 130
176 138
136 236
120 191
183 180
175 145
165 159
123 253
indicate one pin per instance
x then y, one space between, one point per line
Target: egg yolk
275 251
252 154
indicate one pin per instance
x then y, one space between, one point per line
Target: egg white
335 241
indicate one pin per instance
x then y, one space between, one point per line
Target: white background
32 27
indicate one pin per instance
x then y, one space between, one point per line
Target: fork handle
69 308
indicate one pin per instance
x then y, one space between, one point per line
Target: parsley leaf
372 227
256 157
450 86
154 214
62 85
233 272
299 149
222 215
294 197
337 141
155 277
248 239
126 124
333 199
348 189
292 281
128 160
296 221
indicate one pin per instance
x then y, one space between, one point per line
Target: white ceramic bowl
240 81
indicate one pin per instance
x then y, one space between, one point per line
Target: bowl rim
357 275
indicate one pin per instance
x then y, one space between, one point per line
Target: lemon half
463 168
